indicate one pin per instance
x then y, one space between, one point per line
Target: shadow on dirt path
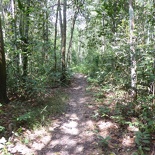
78 131
73 133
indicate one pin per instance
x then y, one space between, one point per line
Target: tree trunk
25 40
61 25
45 32
71 37
3 94
14 30
132 53
153 86
55 37
63 50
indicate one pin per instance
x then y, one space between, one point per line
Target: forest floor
77 131
72 133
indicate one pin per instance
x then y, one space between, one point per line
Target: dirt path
72 133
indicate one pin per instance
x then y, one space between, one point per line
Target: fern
142 140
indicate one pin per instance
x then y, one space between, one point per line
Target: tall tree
14 31
55 36
45 30
26 39
71 37
154 54
132 52
63 50
24 33
3 94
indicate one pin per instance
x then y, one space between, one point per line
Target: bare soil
73 133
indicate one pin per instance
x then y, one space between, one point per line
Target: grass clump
41 112
31 114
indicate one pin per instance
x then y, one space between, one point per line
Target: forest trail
73 133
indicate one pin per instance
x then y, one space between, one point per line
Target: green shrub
143 140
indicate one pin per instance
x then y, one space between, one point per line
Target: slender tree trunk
26 41
21 32
71 37
61 25
46 25
79 50
43 38
14 22
113 18
63 50
61 31
55 37
3 94
45 32
132 53
14 29
153 87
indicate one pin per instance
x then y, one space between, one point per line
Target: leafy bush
104 141
142 140
104 111
2 128
40 112
25 117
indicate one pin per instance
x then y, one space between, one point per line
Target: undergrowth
116 105
31 114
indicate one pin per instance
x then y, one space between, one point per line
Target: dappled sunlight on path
73 134
77 131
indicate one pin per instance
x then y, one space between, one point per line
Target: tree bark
14 30
45 32
71 37
3 94
132 53
63 50
153 87
55 36
61 25
26 40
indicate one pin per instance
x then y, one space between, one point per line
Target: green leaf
146 141
135 153
146 148
137 141
2 128
20 5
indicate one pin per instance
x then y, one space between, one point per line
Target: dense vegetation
111 41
